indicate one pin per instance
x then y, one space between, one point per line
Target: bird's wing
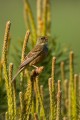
32 55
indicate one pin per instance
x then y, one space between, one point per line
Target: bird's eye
42 38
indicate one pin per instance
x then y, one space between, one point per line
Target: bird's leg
35 66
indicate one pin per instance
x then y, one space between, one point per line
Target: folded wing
32 55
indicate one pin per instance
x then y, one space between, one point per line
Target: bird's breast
40 57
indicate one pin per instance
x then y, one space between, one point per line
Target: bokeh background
65 23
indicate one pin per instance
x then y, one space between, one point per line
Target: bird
35 56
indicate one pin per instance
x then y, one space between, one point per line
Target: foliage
63 95
27 99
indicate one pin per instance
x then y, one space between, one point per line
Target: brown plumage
36 55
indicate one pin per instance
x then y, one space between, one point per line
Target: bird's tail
14 78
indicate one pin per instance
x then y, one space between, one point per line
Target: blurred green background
65 23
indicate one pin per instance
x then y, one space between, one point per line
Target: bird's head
42 40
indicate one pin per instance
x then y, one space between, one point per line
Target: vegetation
30 101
